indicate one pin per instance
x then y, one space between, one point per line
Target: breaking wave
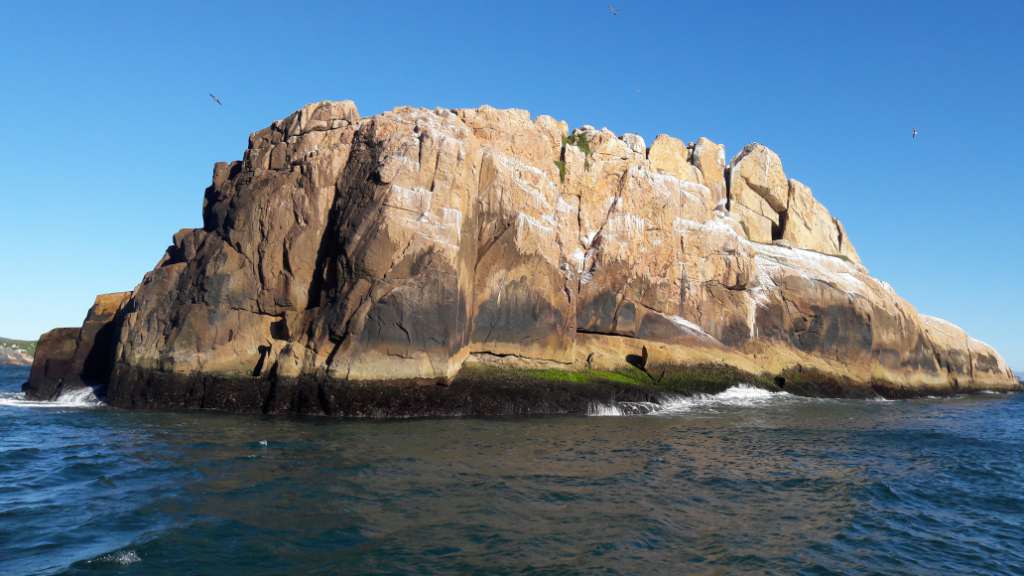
739 395
123 558
77 398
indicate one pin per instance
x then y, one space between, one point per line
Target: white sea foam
124 558
599 409
741 395
77 398
623 409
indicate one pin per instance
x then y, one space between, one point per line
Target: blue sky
109 137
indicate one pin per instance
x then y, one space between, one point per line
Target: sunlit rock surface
403 248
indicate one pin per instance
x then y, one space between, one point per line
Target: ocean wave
740 395
77 398
124 558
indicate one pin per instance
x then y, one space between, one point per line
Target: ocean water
746 482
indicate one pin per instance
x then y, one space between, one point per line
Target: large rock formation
69 358
453 261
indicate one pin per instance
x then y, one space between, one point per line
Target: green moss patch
579 140
683 380
561 170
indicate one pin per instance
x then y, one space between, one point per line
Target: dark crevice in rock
279 330
264 351
602 332
326 249
728 188
779 230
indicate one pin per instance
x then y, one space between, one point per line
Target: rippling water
744 482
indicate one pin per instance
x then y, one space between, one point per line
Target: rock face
376 265
69 358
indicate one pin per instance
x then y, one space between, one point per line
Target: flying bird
613 10
217 100
913 134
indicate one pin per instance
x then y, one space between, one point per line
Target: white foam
124 558
741 395
77 398
623 409
599 409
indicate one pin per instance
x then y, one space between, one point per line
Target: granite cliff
424 262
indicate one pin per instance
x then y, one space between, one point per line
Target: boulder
670 155
964 359
808 223
709 158
758 192
69 358
52 364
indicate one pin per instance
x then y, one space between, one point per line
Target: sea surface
746 482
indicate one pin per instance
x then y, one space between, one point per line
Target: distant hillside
1020 375
17 352
26 345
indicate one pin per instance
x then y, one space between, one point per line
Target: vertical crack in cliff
727 174
488 245
841 238
620 299
595 242
779 230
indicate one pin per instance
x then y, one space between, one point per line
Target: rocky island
481 261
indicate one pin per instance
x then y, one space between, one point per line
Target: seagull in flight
913 134
217 100
613 10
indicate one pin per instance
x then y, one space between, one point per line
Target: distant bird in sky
913 134
613 10
217 100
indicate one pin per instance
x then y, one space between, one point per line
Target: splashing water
735 396
77 398
122 558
